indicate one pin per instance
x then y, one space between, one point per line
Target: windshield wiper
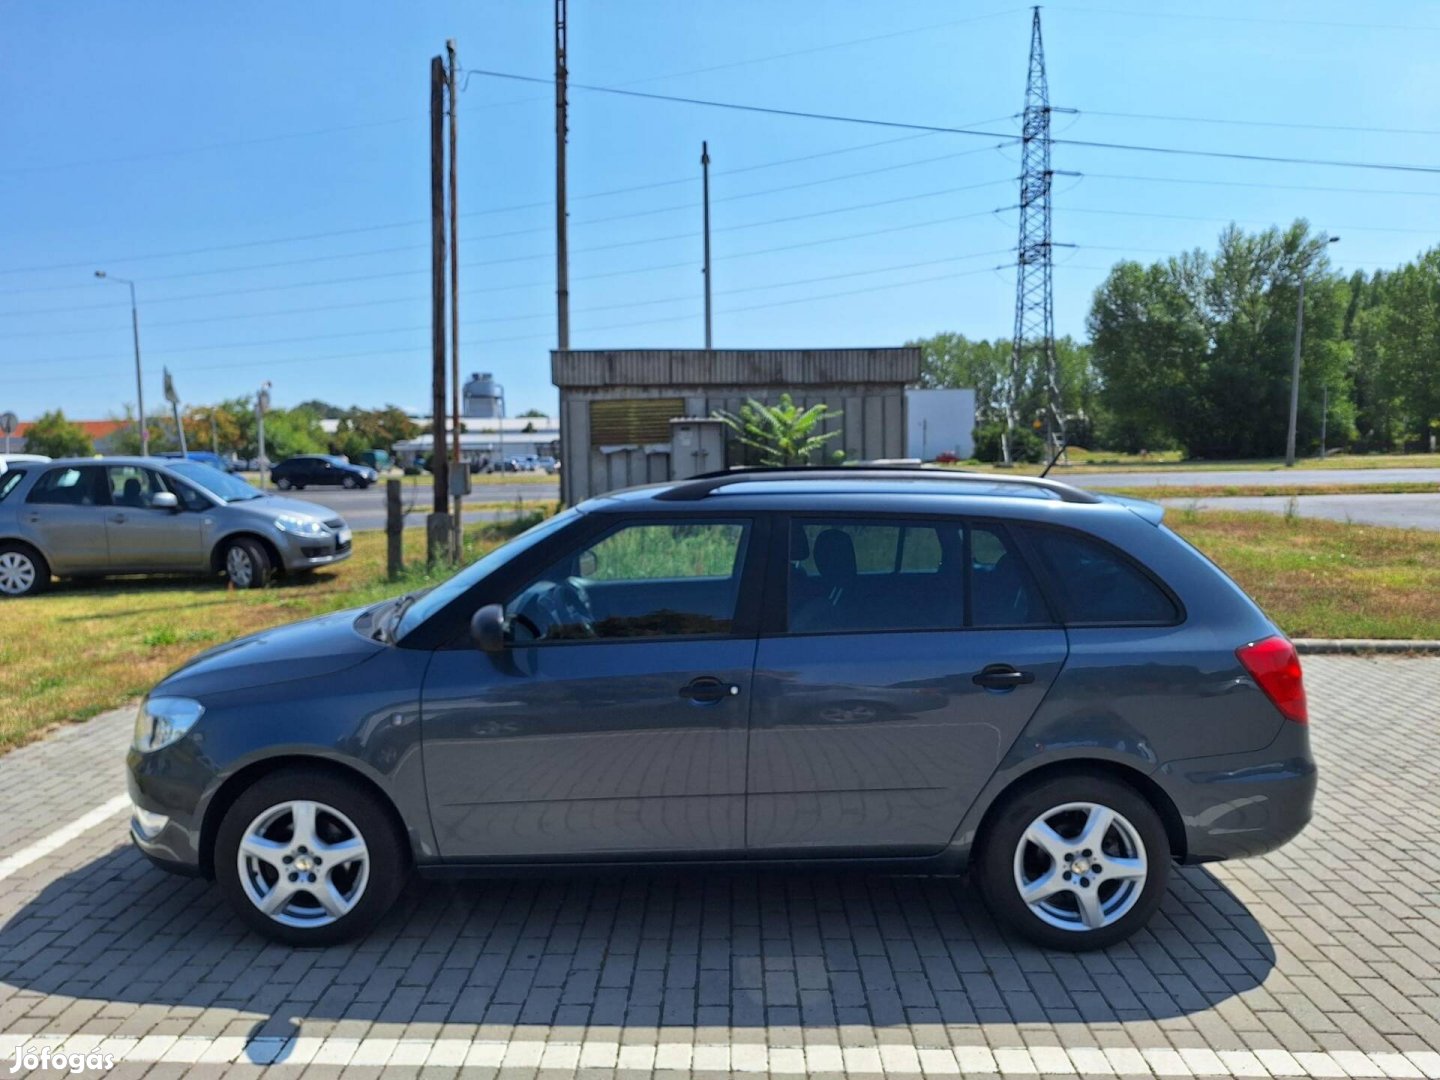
392 617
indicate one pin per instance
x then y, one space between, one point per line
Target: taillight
1275 667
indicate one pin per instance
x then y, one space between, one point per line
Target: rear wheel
283 483
248 564
23 570
1077 862
309 858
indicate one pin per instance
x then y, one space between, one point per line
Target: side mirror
487 628
587 563
164 500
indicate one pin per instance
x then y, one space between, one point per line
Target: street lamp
1295 367
139 380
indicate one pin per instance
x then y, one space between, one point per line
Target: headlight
162 720
300 526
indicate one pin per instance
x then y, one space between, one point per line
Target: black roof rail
701 485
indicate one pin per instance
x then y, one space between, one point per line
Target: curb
1365 646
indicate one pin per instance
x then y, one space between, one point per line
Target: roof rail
701 485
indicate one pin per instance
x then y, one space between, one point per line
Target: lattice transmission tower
1032 351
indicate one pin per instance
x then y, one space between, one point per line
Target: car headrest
835 555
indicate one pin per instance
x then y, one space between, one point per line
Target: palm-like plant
784 434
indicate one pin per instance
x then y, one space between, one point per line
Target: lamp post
1295 366
139 379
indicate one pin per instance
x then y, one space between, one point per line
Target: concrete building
940 422
635 416
485 440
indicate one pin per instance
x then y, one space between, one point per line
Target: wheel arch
236 784
1133 778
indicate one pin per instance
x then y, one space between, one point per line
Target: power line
1205 182
945 129
1295 125
1286 22
1238 221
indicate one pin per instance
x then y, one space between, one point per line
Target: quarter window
1096 584
8 481
639 581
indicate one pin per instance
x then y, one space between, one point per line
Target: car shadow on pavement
737 949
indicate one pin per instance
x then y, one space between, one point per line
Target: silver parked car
88 517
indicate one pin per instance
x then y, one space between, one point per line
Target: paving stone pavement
1322 959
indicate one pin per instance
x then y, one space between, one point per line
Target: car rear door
65 513
905 657
614 723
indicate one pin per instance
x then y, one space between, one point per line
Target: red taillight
1275 667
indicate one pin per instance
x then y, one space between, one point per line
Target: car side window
907 575
1097 584
132 486
72 485
638 581
190 498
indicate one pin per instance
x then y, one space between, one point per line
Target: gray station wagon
89 517
911 669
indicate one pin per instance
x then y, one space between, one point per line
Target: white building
484 440
939 422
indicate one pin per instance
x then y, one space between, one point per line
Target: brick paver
1321 959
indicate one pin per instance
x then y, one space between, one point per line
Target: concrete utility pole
139 379
262 406
1295 366
458 544
705 187
562 244
437 526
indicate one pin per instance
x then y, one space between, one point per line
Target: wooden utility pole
705 184
562 247
437 526
456 529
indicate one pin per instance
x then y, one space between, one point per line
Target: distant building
488 440
940 422
634 416
103 434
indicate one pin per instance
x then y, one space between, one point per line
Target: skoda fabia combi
1012 677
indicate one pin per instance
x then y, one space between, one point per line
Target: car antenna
1059 449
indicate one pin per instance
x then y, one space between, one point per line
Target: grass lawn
81 648
1218 491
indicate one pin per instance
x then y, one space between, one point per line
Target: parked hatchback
935 672
89 517
320 470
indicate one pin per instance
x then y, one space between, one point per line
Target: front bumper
154 794
306 552
1238 805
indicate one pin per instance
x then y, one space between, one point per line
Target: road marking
62 836
891 1059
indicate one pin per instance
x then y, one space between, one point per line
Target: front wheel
283 483
349 483
247 564
308 858
1075 863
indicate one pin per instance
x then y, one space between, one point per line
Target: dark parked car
913 669
319 470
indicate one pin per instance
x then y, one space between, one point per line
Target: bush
1025 445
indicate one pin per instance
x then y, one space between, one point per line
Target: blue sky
261 171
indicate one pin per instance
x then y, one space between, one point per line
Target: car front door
907 656
65 512
143 537
614 722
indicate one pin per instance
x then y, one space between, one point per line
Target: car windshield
223 486
428 603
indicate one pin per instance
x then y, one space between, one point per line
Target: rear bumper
1237 805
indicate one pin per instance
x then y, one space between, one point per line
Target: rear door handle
1002 677
708 690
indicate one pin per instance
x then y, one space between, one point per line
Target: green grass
1090 461
1220 491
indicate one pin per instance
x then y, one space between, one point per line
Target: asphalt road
1396 511
365 510
1251 477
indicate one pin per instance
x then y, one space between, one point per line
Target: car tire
248 564
23 570
283 483
260 860
1044 838
349 483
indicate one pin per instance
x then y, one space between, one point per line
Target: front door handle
708 690
118 519
1002 677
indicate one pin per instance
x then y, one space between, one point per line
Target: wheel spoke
343 852
303 813
1124 868
329 898
1096 826
268 851
1048 840
1044 886
274 902
1090 909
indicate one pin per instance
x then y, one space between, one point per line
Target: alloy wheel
239 567
17 573
1080 866
303 864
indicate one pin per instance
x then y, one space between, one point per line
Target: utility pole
562 246
174 399
1034 341
262 406
1295 365
705 186
139 379
457 546
437 526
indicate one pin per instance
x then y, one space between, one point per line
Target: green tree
782 434
54 436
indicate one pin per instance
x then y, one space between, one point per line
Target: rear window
1094 583
9 479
